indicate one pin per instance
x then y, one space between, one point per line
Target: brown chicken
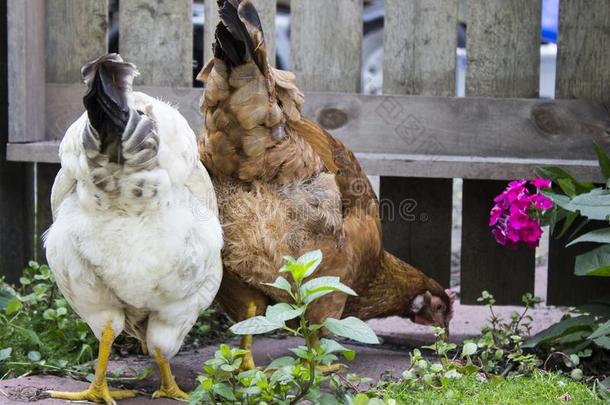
285 186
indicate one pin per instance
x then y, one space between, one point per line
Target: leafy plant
290 379
39 332
578 202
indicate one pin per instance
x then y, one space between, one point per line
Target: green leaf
331 346
598 236
594 205
5 296
567 223
469 349
603 330
555 173
282 284
603 342
13 306
567 186
255 326
361 399
34 356
5 353
595 262
311 261
318 287
281 362
283 312
560 329
352 328
49 314
224 391
604 161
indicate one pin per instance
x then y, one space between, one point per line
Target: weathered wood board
582 71
489 138
26 69
157 36
16 185
583 54
419 58
75 34
503 61
328 37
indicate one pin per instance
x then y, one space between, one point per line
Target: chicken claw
98 391
169 388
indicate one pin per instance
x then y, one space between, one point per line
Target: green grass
536 389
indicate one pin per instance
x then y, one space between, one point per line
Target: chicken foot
169 388
98 391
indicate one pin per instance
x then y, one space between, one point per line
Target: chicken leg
169 388
246 342
98 391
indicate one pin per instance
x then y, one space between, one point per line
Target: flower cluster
516 215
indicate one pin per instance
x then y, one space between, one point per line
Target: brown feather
286 186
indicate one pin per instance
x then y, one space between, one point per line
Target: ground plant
289 379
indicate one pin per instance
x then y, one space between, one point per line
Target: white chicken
135 243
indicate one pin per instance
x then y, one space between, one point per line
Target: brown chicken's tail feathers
239 35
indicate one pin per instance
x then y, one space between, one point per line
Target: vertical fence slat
583 50
266 10
503 43
326 42
419 47
209 27
26 69
158 37
75 34
582 71
419 58
15 183
564 288
503 47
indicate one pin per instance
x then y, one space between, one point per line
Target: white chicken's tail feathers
116 131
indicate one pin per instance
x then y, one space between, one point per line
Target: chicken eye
439 307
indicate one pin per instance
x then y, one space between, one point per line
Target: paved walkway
398 335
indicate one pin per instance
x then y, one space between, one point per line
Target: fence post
582 71
503 61
419 58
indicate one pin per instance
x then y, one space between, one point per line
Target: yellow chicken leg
314 340
169 388
98 391
247 362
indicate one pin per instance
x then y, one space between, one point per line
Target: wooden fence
417 136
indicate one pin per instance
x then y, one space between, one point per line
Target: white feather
121 258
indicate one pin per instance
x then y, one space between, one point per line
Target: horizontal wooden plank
485 138
385 164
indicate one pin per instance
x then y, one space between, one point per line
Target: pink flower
515 216
495 214
540 183
542 202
